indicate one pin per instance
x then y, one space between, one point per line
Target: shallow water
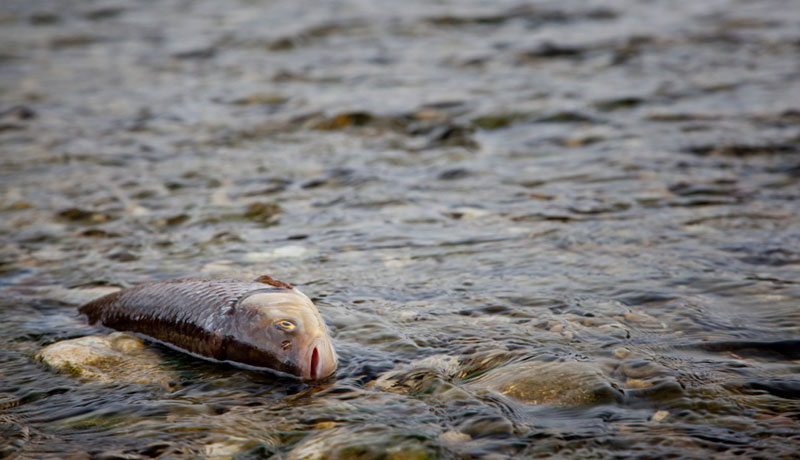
534 228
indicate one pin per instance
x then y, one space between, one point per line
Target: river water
547 228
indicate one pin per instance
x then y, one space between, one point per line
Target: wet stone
660 415
550 50
123 256
265 213
43 18
498 121
261 99
103 13
176 220
454 174
565 117
19 112
196 53
117 357
18 206
624 103
83 216
345 120
98 233
73 41
452 136
560 384
342 443
488 426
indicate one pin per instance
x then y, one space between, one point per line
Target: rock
495 426
561 384
498 120
226 449
660 415
261 99
454 438
117 357
14 436
345 120
417 374
265 213
341 443
83 216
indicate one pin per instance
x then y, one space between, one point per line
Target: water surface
534 228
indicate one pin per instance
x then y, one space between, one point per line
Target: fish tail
94 310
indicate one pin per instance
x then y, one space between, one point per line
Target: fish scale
225 320
188 300
188 313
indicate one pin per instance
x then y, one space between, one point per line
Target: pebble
324 425
660 415
117 357
559 384
620 352
432 365
225 450
454 437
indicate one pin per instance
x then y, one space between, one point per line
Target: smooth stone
117 357
342 443
227 449
560 384
431 367
660 415
318 447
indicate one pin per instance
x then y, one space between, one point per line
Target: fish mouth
321 360
314 367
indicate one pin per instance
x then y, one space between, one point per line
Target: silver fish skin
263 323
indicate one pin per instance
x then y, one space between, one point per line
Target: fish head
281 329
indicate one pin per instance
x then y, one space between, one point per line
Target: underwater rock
343 443
226 449
561 384
117 357
264 213
408 378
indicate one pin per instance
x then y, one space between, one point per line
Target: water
546 228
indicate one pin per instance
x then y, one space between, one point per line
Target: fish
264 323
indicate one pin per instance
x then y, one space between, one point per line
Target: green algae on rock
557 383
117 357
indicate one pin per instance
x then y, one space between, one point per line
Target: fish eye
285 325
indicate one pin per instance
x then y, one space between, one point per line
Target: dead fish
263 323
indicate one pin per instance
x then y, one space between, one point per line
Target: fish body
263 323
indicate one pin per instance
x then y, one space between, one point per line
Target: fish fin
94 310
273 282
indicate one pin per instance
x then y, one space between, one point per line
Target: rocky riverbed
534 228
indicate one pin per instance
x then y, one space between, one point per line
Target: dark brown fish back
189 313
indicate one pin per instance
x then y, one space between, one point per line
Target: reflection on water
533 228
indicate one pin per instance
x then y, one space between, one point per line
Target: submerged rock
117 357
561 384
343 443
418 375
